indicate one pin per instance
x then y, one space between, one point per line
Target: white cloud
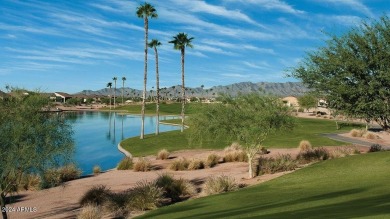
357 5
257 65
238 46
271 5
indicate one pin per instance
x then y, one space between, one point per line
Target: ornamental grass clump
375 148
235 156
96 195
316 154
195 164
357 132
142 165
54 177
31 182
90 212
175 189
305 145
343 151
163 154
96 170
179 164
211 161
280 163
370 135
125 164
219 184
144 196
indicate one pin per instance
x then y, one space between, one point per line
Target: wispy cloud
356 5
271 5
257 65
239 47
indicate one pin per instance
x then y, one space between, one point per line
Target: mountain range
278 89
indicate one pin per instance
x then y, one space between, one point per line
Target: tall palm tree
180 42
109 84
154 44
114 79
123 87
145 11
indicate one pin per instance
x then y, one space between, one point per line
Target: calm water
97 135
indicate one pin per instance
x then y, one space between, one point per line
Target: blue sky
73 45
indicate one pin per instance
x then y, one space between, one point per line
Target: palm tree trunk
182 90
110 97
157 94
145 79
123 87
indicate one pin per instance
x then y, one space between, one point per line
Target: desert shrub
96 195
281 163
175 189
90 212
220 184
96 170
116 204
357 132
195 164
305 145
179 164
163 154
54 177
313 155
263 150
375 148
370 135
30 182
211 160
125 164
235 156
301 110
235 146
142 165
337 152
144 196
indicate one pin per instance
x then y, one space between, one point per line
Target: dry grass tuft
96 170
357 132
344 151
211 161
90 212
220 184
235 156
142 165
125 164
179 164
370 135
305 145
163 154
233 147
195 164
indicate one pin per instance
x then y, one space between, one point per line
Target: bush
375 148
97 195
90 212
233 147
142 165
211 160
313 155
163 154
357 132
235 156
116 204
54 177
337 152
174 189
279 164
179 164
96 170
125 164
195 165
304 145
370 135
144 196
301 110
220 184
31 182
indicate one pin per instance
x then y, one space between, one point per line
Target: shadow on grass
363 207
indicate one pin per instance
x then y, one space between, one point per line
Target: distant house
63 96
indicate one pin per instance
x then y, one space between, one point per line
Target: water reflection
97 135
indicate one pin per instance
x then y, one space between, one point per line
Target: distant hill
278 89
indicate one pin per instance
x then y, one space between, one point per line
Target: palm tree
180 42
154 44
145 11
114 79
109 84
123 87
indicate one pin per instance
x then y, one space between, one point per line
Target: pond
97 135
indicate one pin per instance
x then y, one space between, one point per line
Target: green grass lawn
165 109
308 129
351 187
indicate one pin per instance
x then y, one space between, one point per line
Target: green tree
145 11
123 87
109 84
353 72
180 42
30 141
307 101
248 119
154 44
114 79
